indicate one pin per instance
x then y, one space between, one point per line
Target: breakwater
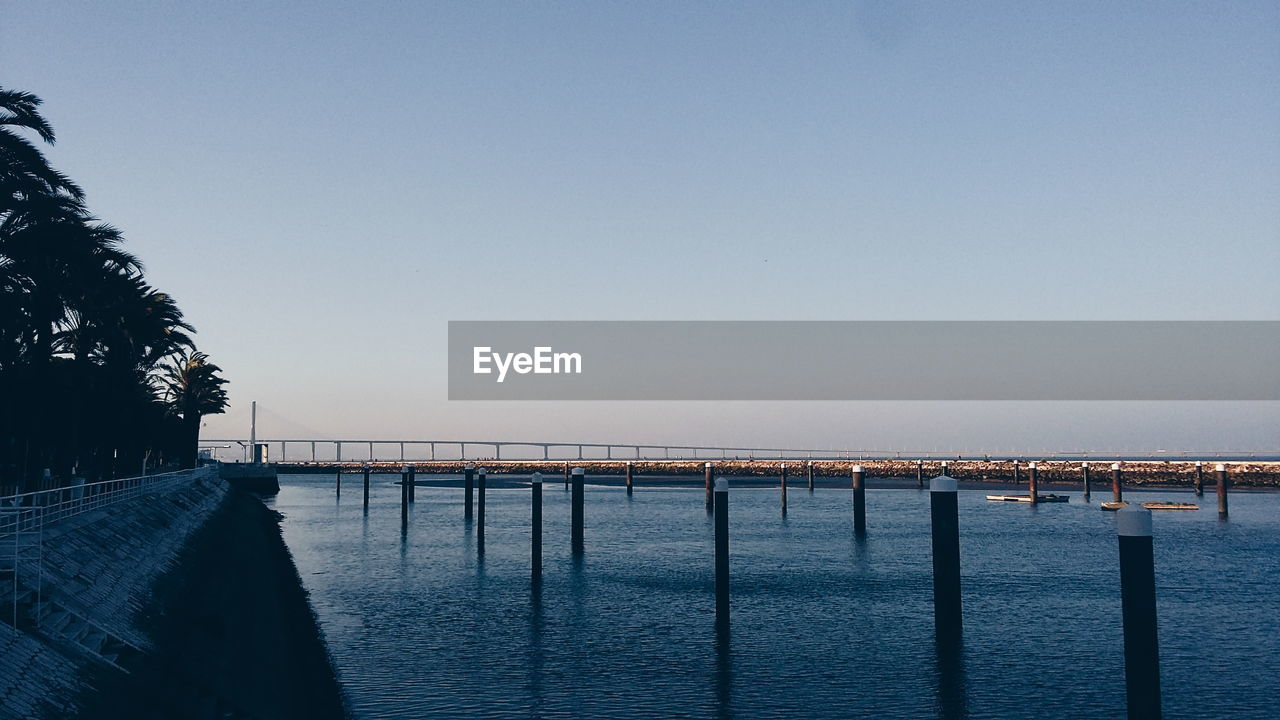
1153 473
157 600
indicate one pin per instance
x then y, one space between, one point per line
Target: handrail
16 511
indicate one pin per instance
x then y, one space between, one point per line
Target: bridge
305 450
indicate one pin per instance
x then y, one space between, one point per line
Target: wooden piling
1033 485
809 469
722 553
468 491
481 476
859 501
566 473
629 473
1084 473
579 477
366 486
1138 608
706 478
413 488
404 494
944 517
1221 471
535 537
782 484
1115 482
920 474
338 485
1017 477
1199 479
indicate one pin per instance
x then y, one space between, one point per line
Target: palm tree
193 389
122 322
24 172
82 334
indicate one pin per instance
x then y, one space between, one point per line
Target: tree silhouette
97 367
193 389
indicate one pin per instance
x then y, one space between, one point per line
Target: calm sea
422 624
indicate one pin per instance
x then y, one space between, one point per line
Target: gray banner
864 360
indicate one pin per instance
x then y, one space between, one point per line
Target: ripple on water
825 625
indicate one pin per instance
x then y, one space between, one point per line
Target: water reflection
404 543
577 588
724 672
861 555
537 656
364 535
953 690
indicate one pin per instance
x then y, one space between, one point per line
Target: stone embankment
180 602
1156 473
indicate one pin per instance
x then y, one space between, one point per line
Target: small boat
1046 498
1152 505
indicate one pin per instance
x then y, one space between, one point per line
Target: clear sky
322 186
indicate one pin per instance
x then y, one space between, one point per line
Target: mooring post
1017 477
1033 483
722 553
366 485
338 485
566 477
1115 482
576 511
782 485
1221 471
1084 473
468 490
480 478
1138 607
859 502
1199 479
945 471
404 492
413 470
920 473
706 472
809 469
535 539
628 477
945 520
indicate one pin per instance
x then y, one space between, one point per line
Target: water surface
826 625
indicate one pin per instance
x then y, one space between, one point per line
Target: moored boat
1152 505
1046 498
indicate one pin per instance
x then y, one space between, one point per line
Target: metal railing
23 518
50 506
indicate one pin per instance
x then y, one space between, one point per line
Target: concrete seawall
182 602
